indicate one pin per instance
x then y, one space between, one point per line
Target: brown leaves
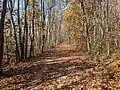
63 69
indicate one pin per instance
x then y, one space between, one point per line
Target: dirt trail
61 68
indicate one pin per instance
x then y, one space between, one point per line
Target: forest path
60 68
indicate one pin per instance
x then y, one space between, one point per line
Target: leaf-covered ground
61 68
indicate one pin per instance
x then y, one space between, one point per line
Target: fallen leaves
66 71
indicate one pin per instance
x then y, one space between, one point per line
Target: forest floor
60 68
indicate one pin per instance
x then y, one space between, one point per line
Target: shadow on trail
57 64
56 54
57 70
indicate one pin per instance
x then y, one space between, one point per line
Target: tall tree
25 33
26 29
11 8
20 32
43 25
2 33
33 28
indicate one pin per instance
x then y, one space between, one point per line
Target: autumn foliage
74 20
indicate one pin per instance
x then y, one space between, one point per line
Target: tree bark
20 32
2 33
26 30
15 34
33 28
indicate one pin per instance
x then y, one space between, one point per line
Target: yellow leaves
41 12
74 11
74 20
68 25
68 14
75 37
72 34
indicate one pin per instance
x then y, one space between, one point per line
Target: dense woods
30 28
98 21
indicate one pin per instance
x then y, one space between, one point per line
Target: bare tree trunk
33 28
107 30
15 34
26 30
2 33
20 32
43 25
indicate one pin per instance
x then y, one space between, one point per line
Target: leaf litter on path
60 68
